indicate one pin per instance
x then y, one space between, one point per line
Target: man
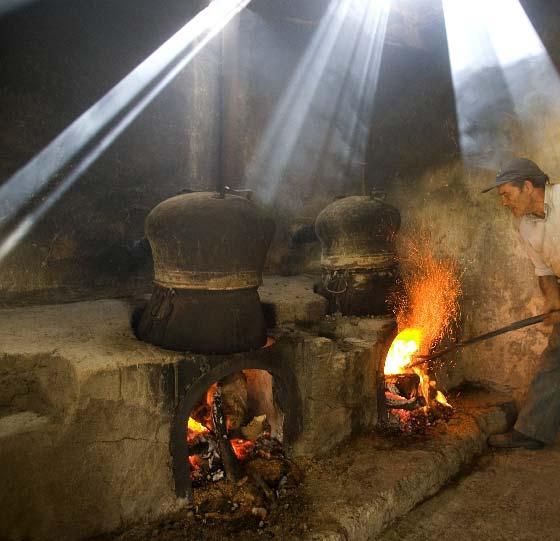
524 189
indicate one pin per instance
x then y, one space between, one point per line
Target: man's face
518 200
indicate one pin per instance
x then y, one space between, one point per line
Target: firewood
406 384
395 401
232 467
255 428
234 399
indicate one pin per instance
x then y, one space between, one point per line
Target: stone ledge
94 336
374 480
290 299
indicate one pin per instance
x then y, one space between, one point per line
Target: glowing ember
195 462
242 448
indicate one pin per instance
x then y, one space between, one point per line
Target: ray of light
334 82
11 5
367 80
95 130
506 87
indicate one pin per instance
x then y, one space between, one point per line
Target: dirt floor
507 495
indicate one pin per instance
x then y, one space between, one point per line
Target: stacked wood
407 410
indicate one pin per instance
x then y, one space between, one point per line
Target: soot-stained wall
298 84
58 58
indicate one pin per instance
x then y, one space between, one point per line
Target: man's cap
517 169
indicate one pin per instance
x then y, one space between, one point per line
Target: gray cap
517 169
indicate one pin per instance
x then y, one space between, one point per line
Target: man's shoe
514 439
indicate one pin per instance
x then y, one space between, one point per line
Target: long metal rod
421 359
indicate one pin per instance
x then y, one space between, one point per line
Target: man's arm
551 292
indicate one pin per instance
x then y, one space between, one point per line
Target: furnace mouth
408 398
235 421
235 443
259 408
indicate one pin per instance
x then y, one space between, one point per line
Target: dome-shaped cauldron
358 254
208 251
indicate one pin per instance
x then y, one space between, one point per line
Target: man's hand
551 292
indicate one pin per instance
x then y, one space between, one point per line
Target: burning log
395 401
234 399
232 467
405 385
401 391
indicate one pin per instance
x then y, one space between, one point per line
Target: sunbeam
505 84
96 129
6 6
328 99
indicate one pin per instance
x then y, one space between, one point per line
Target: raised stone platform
86 409
376 479
364 485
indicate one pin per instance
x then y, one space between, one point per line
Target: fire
195 462
440 397
194 428
404 346
425 309
429 300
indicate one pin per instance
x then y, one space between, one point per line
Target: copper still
208 251
358 261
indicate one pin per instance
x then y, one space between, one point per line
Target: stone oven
202 372
88 397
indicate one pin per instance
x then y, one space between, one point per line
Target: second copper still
358 262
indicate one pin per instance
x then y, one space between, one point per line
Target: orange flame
429 300
404 346
195 462
425 310
194 428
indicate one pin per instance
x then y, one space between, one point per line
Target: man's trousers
539 417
